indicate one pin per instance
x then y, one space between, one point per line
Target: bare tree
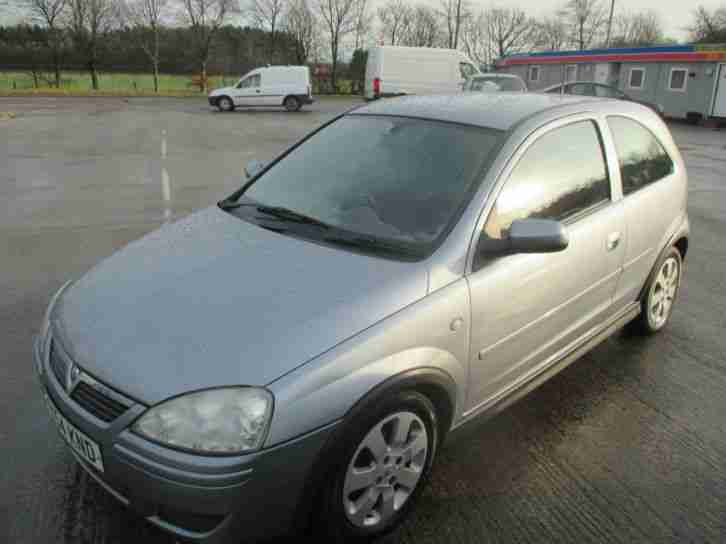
642 28
453 13
708 26
395 17
89 22
475 38
423 29
585 19
204 18
50 12
266 15
551 34
363 23
146 17
510 31
339 19
299 21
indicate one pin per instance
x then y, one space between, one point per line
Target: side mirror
537 236
253 168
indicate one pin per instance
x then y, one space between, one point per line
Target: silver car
295 356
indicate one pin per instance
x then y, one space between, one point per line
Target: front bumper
196 498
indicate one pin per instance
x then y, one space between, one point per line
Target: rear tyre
379 469
225 103
660 295
291 103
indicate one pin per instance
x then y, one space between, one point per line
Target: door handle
613 241
257 91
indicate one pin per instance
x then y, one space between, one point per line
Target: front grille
58 364
96 403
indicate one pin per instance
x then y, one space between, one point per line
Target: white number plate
86 448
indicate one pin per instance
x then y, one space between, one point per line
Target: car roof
489 110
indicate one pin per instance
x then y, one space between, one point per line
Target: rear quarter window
642 158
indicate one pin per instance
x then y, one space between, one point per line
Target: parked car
395 71
286 86
588 88
298 353
496 83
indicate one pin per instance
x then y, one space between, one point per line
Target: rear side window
561 175
642 158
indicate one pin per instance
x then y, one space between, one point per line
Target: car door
527 309
247 92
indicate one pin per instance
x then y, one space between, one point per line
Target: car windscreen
393 178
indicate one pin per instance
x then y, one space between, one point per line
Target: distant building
685 81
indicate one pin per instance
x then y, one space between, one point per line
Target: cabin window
678 79
636 78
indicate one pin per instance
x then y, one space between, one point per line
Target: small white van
394 70
286 86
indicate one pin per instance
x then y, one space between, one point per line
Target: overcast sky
675 15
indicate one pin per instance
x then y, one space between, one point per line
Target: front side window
642 158
636 78
678 79
534 73
250 81
393 178
560 176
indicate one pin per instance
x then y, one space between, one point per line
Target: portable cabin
684 81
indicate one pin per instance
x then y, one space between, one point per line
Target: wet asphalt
626 445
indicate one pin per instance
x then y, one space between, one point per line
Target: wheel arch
431 382
680 242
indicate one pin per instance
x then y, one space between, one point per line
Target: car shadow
262 111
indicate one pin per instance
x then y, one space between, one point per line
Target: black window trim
617 157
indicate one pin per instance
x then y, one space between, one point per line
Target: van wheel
660 296
291 103
379 469
225 104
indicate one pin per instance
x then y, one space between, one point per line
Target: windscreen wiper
279 212
287 214
367 242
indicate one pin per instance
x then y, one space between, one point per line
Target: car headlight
218 421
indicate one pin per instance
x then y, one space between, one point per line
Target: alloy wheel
385 469
663 292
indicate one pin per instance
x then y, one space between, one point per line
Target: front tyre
658 301
379 469
225 103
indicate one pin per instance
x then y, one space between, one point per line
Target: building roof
665 53
493 110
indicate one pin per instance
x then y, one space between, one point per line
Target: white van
393 70
287 86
